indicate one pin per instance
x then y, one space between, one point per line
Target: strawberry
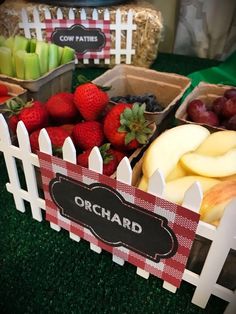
61 108
57 136
119 155
90 100
34 115
126 127
110 161
88 134
68 127
12 123
82 159
3 90
3 99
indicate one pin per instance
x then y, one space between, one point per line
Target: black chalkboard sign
80 38
112 219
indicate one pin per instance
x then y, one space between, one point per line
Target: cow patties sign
144 230
90 39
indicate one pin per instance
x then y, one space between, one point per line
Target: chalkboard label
112 219
80 38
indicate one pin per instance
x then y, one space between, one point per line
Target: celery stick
60 51
20 43
6 61
53 57
19 64
42 51
32 66
68 55
32 45
2 40
9 42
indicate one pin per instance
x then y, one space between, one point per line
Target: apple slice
176 173
143 184
175 190
215 200
229 178
211 166
218 143
166 150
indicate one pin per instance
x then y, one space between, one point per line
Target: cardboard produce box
207 93
55 81
128 79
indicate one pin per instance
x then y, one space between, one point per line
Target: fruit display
30 59
189 153
89 119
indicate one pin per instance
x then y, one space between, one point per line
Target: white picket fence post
121 28
223 237
124 174
6 148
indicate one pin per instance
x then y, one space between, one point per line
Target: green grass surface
42 271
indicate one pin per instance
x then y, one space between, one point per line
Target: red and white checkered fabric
182 221
103 25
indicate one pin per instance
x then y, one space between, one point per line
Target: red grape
229 93
194 108
229 107
209 118
217 105
231 124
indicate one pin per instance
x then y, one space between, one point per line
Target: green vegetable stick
53 57
68 54
60 51
9 42
19 64
6 66
42 52
32 46
32 66
20 43
2 40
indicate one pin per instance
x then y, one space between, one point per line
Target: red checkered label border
103 25
182 221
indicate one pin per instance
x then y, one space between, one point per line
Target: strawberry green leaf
129 137
122 128
141 138
127 114
105 153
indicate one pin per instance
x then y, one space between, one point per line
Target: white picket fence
120 28
223 237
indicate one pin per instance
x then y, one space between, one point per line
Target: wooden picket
223 237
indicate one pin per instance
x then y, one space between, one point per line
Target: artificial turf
44 271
